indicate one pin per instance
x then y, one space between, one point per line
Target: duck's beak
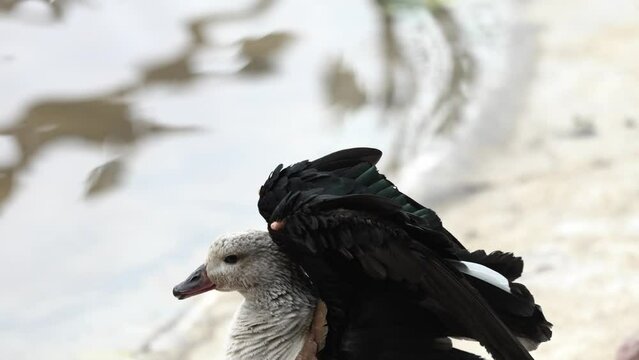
197 283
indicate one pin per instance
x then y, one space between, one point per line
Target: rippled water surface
133 132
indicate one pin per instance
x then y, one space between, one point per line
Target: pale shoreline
563 194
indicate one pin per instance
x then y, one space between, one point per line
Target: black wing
345 172
369 239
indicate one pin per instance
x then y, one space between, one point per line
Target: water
134 132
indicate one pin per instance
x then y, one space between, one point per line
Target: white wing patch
482 273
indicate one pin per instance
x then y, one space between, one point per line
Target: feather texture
362 241
388 248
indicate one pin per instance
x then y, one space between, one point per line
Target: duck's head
236 262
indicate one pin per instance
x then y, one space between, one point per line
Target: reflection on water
428 73
256 52
342 89
57 7
6 183
263 76
452 100
96 121
104 177
447 67
107 118
259 52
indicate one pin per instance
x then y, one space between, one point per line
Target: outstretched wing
373 238
345 172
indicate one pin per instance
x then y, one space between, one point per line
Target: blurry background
132 133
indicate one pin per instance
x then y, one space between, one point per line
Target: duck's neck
272 321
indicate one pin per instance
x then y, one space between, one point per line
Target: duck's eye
231 259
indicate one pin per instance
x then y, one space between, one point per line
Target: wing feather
371 231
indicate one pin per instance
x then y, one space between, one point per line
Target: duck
280 317
275 317
393 279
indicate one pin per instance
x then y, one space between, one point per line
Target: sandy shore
563 193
